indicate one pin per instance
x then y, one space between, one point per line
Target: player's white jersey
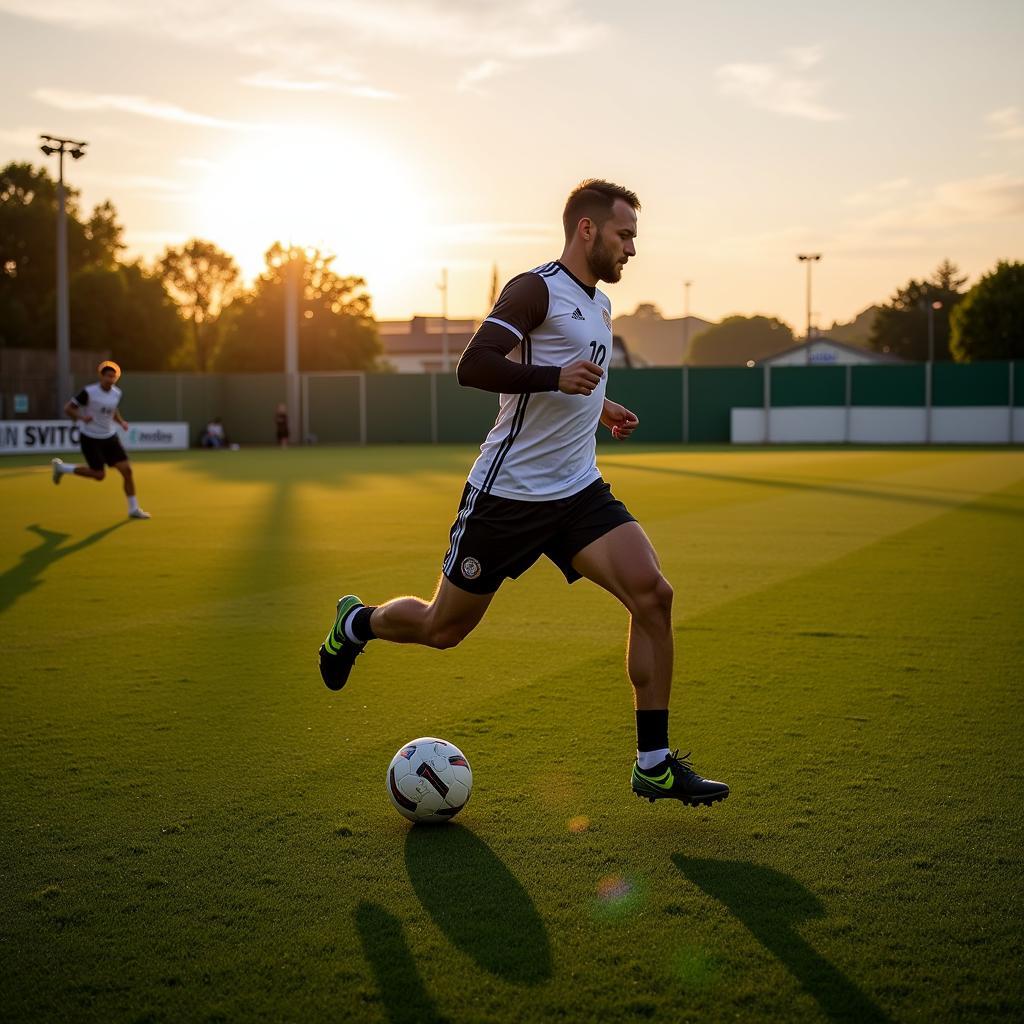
543 445
101 406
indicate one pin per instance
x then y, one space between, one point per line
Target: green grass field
195 829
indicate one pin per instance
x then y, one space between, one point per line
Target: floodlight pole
51 144
686 318
809 258
293 283
932 306
443 286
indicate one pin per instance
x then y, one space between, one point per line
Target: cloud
495 233
471 79
876 194
283 81
142 106
268 80
1007 124
783 88
990 199
300 34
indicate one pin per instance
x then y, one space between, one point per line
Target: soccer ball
429 780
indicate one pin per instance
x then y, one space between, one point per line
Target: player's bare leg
134 512
451 615
448 618
625 564
60 469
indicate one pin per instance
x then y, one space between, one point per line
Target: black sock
360 624
652 730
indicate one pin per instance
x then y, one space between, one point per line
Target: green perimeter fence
675 404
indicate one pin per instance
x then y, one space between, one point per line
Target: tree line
936 316
189 310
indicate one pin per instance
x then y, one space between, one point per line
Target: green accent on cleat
336 637
337 653
675 779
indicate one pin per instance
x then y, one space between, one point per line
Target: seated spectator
214 436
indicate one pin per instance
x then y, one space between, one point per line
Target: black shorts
494 538
102 451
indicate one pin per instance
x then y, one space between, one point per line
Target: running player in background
535 488
95 410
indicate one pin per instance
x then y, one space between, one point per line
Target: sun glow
305 187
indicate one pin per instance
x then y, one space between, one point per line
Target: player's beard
601 263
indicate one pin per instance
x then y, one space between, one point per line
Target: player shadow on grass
843 490
477 902
772 905
24 577
401 988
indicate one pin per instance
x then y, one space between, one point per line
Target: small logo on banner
470 568
606 317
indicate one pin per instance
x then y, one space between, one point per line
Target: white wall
877 425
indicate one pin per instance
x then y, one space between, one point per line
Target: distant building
826 352
417 345
654 341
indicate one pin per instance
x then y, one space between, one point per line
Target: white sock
66 467
346 626
133 503
649 758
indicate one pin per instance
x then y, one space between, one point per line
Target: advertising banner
27 437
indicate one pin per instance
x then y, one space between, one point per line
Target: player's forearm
488 370
73 411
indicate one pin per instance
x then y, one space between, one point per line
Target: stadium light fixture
76 148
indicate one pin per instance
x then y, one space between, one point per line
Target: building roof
424 335
871 354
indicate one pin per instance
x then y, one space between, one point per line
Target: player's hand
619 420
86 418
579 378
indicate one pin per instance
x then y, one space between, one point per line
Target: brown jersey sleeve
520 309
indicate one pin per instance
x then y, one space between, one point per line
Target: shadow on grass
334 467
771 905
24 577
401 988
477 902
779 484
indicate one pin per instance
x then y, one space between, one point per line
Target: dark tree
738 339
127 312
28 251
336 327
989 323
901 326
203 280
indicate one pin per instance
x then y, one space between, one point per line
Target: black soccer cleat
337 652
675 779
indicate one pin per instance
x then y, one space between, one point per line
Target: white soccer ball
429 780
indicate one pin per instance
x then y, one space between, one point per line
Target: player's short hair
109 364
594 198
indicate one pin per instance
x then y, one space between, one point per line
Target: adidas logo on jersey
577 315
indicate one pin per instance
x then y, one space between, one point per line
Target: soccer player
95 409
535 488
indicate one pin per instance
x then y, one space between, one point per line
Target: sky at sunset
405 136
